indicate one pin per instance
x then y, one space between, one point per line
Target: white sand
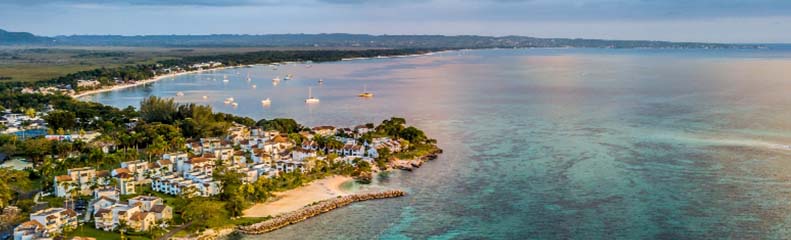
295 199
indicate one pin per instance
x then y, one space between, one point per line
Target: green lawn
89 231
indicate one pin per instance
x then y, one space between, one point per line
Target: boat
225 80
234 104
205 97
266 102
321 81
229 99
253 86
276 79
365 93
179 94
310 98
288 77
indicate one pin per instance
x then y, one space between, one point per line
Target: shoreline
144 82
294 199
157 78
313 210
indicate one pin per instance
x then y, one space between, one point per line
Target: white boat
253 86
288 77
365 93
229 99
310 98
321 81
234 104
205 97
276 79
225 80
266 102
179 94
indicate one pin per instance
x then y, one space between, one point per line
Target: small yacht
225 80
266 102
310 98
205 97
253 86
234 104
179 94
276 79
321 81
365 93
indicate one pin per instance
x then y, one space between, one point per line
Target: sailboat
310 98
365 93
266 102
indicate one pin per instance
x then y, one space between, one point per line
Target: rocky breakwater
314 210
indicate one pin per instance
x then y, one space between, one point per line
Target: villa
46 223
80 179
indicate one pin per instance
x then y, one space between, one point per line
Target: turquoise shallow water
548 143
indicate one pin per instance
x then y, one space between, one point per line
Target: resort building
79 179
46 223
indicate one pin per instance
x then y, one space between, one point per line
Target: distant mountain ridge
13 38
342 40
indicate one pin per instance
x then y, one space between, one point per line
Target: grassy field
37 63
89 231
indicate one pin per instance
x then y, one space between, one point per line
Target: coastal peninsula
183 170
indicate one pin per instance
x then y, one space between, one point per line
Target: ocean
546 143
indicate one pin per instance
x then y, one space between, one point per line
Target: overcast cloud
690 20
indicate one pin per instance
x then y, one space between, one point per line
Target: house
109 218
87 83
109 192
324 130
223 153
302 154
127 183
80 179
153 204
137 167
310 145
162 212
362 129
195 164
54 220
30 230
164 166
177 160
142 221
353 150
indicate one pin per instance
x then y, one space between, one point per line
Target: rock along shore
314 210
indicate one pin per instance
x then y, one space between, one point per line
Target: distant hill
342 40
16 38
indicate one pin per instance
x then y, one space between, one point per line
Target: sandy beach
147 81
295 199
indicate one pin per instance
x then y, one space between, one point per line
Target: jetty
314 210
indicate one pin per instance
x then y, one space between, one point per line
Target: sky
736 21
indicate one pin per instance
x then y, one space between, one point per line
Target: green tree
155 109
12 182
36 149
61 120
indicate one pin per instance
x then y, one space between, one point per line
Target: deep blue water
548 143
